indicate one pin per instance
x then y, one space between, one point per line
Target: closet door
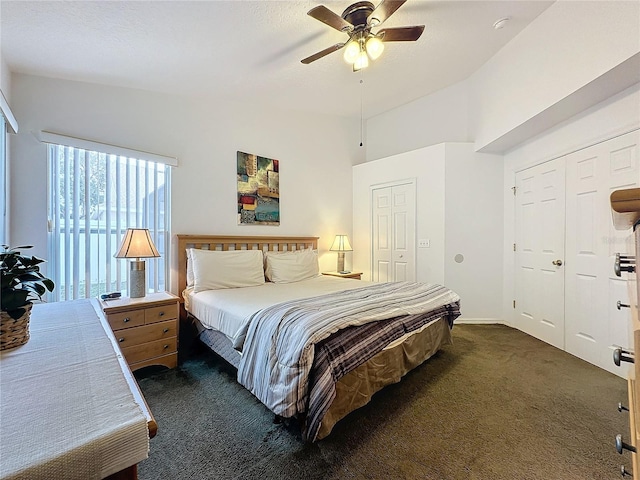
539 252
594 326
393 233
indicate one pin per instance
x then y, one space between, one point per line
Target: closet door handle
624 263
557 263
620 305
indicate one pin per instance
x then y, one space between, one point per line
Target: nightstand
146 328
354 275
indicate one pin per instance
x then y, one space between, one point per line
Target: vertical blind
93 198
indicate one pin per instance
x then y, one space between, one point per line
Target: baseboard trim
481 321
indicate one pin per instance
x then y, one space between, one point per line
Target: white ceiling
251 50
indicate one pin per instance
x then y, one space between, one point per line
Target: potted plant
21 283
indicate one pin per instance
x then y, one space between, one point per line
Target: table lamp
137 244
341 244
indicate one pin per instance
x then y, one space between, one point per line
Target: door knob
620 305
557 263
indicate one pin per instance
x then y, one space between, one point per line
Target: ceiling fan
357 21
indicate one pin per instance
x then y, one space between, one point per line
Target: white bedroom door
539 257
594 327
393 232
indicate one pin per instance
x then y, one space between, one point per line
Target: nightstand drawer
146 333
162 313
145 328
149 350
132 318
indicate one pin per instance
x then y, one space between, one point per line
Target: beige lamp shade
341 244
137 243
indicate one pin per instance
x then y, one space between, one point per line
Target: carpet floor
497 404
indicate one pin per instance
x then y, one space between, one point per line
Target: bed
308 346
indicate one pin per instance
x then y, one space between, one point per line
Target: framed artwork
258 190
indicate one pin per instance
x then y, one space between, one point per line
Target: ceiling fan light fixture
362 61
351 51
374 47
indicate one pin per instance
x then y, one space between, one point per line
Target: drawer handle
620 445
624 472
621 407
166 330
622 305
620 355
125 320
166 346
121 339
162 314
624 263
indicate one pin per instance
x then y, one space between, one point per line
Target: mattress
228 310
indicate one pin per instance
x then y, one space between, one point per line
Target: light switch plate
424 243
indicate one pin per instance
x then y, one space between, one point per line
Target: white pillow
214 269
189 268
288 267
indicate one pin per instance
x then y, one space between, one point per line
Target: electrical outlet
424 243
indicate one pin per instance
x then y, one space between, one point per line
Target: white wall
316 154
615 116
458 208
571 57
436 118
568 46
474 229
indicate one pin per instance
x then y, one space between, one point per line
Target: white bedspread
65 408
229 310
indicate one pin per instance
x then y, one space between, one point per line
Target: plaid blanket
279 350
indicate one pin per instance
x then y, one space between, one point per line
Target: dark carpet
497 404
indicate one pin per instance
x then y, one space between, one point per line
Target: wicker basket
14 333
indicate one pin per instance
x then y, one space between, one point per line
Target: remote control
110 296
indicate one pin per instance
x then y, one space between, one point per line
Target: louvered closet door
593 325
539 276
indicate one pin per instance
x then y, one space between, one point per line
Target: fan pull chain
361 116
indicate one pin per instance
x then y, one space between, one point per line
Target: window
93 198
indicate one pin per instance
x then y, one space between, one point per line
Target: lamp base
137 279
340 262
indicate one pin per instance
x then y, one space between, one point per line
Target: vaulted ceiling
250 51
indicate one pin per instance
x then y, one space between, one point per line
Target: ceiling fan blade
327 17
401 34
383 11
322 53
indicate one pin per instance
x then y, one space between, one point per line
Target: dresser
70 407
146 328
625 205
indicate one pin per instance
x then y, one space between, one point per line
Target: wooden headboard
217 242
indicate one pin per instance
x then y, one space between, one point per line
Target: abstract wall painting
258 190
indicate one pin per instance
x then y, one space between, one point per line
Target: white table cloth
66 410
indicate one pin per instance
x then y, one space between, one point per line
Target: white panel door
594 326
382 241
393 233
404 242
539 257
